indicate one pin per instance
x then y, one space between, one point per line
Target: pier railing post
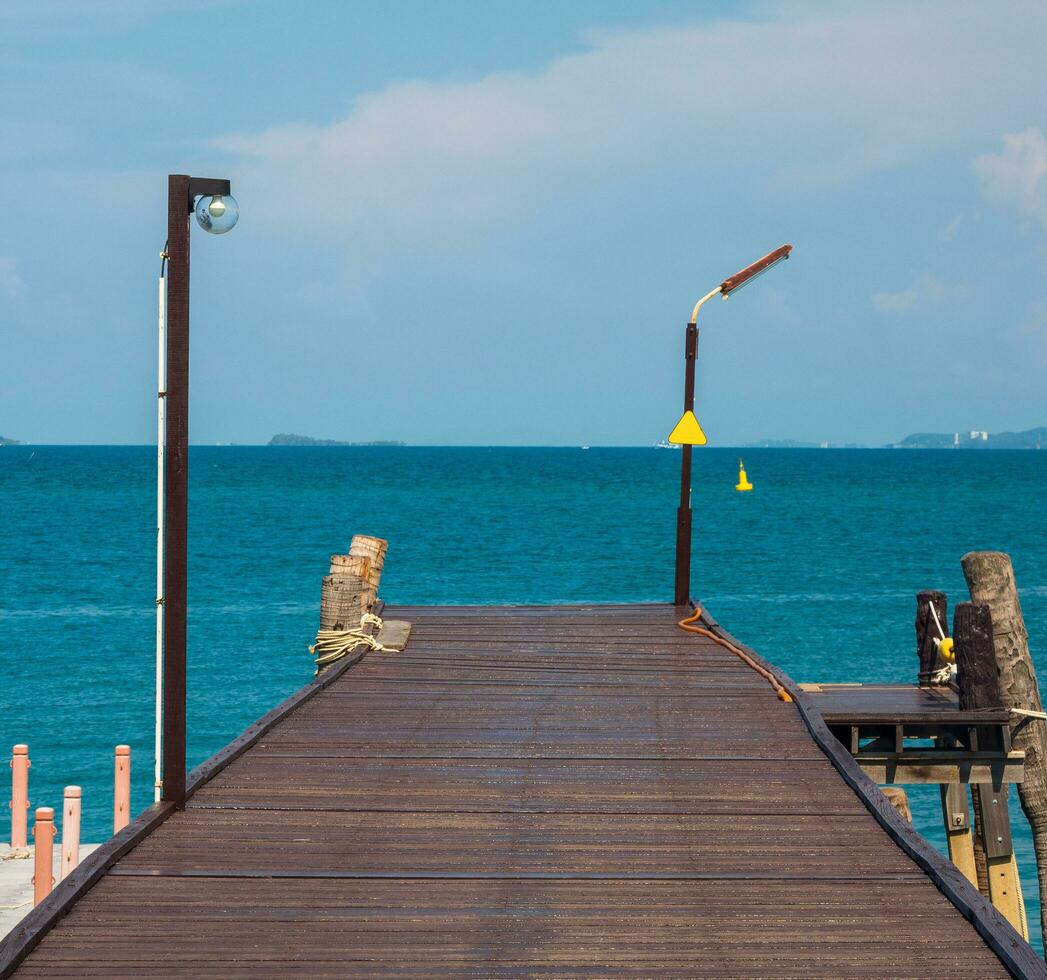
122 788
44 858
682 589
70 831
19 796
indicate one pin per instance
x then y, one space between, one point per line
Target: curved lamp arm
748 274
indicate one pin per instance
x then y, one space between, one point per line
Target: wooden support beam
957 819
1005 890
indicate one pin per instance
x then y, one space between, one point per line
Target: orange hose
685 624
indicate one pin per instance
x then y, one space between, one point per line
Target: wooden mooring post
351 588
990 578
929 604
979 688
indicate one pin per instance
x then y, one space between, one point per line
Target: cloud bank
806 101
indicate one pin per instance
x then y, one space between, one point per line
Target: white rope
944 674
332 645
937 621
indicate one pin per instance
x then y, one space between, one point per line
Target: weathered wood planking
541 791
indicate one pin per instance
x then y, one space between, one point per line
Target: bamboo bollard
366 546
358 566
43 868
19 796
122 788
70 831
990 578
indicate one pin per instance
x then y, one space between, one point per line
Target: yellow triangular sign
688 432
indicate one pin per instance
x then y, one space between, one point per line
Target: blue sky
487 222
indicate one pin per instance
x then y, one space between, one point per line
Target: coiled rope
332 645
687 624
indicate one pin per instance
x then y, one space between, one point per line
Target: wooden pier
541 791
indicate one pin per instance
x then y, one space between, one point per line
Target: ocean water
817 569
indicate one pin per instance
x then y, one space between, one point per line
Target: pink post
44 835
19 794
122 789
70 831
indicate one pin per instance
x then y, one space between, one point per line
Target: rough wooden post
990 578
927 635
980 688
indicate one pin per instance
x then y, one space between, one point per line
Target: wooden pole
927 635
990 578
176 483
980 688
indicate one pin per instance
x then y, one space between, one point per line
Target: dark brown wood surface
559 791
897 704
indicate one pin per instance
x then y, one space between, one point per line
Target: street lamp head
217 213
733 283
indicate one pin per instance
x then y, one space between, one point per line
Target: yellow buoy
743 481
946 650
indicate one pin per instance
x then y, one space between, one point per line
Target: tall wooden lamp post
688 433
216 212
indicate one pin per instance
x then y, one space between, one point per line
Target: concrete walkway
16 882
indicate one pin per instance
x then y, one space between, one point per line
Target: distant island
974 439
970 439
9 442
796 444
290 439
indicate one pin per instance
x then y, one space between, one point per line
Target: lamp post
216 212
688 433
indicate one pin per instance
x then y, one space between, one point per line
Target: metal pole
683 512
176 483
161 423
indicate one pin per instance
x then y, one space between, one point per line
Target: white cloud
924 292
798 101
1017 175
11 283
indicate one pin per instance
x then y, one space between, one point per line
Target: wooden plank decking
554 791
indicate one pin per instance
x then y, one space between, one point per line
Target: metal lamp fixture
688 433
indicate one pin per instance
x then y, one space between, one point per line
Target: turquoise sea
817 569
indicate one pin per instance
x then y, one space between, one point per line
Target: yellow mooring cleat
743 481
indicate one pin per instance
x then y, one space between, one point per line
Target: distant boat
666 445
585 447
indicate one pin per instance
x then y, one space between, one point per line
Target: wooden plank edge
1013 951
25 936
21 940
